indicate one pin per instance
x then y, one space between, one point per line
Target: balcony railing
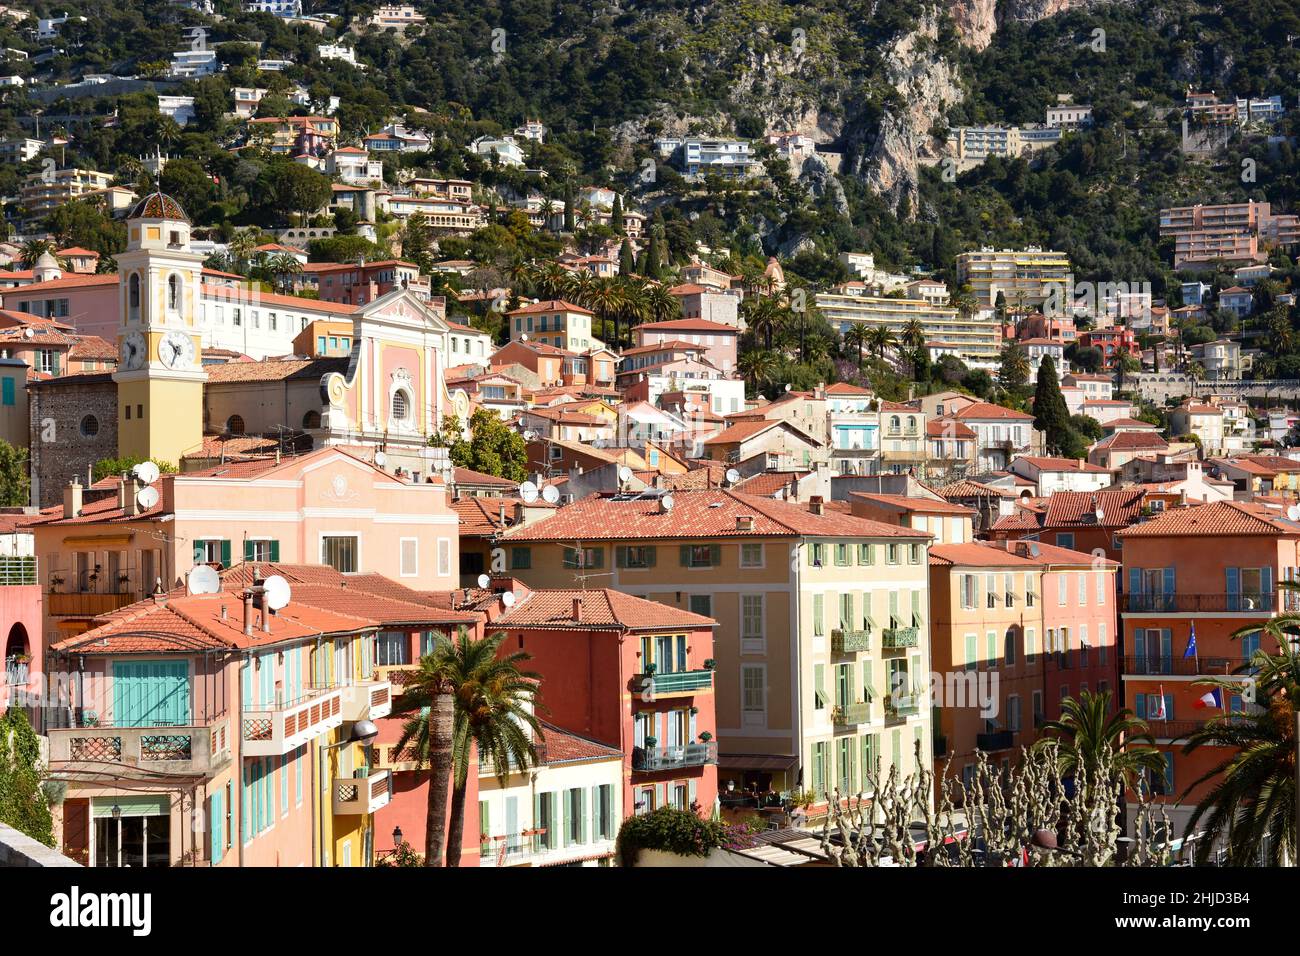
271 732
513 850
86 603
1183 666
900 708
16 570
360 795
673 682
851 715
845 641
1174 729
653 759
896 637
162 749
367 700
995 740
398 676
1260 602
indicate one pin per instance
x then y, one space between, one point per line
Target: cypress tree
626 259
1051 416
616 215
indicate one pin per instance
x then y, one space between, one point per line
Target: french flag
1213 699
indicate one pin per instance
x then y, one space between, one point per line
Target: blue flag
1191 643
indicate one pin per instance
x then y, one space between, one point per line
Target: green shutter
248 550
650 556
275 550
216 816
225 553
715 555
686 555
620 556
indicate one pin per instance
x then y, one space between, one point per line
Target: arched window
311 420
133 294
173 292
401 405
235 425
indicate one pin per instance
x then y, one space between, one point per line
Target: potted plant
651 743
710 664
651 668
705 736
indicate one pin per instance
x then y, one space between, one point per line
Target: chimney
815 504
122 493
72 499
130 507
248 613
577 609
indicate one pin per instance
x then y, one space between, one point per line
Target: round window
235 425
89 426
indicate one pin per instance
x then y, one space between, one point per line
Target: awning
756 762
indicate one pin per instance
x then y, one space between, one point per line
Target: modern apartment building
1024 277
821 643
1234 232
43 192
975 340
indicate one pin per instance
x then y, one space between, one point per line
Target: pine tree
1051 416
626 258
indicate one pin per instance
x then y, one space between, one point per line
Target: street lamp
397 837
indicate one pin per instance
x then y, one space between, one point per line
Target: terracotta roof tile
601 608
1220 519
564 746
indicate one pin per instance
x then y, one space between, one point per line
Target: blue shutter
1134 580
1169 584
217 819
245 803
1266 584
1233 576
249 703
1139 647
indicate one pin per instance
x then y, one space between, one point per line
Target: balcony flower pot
705 736
651 669
651 743
710 664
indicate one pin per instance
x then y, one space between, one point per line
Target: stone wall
73 425
18 849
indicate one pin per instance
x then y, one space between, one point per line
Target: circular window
89 426
401 406
311 420
235 425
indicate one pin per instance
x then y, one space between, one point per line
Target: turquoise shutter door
275 550
225 554
216 820
151 693
1233 586
248 551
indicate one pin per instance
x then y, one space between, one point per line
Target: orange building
1214 568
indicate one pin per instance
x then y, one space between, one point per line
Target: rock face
927 85
821 182
978 20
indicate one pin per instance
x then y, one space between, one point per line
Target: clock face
176 350
133 349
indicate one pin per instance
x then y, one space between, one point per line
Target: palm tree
33 249
607 298
855 337
284 266
1251 808
963 300
1089 737
553 281
757 365
661 303
429 735
635 309
913 335
763 314
880 339
493 703
242 246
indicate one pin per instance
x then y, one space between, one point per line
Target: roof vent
744 522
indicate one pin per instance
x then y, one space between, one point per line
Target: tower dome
158 205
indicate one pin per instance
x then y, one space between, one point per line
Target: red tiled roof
1131 441
711 513
1221 519
1133 423
690 325
846 388
768 483
975 554
1072 508
602 608
549 305
275 370
467 476
948 428
1063 464
914 503
973 489
985 410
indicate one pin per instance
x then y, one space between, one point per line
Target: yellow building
976 341
822 657
1024 277
160 373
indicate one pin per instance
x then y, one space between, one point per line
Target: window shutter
225 553
620 556
1134 580
214 827
1169 581
275 550
715 555
582 815
537 818
248 551
650 556
686 555
691 791
1266 584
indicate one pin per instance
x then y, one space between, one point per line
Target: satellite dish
787 386
146 472
276 592
1101 515
625 473
666 502
29 332
550 494
732 476
508 598
484 580
530 435
528 491
1293 512
204 580
146 498
524 337
380 459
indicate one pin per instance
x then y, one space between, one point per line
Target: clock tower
160 374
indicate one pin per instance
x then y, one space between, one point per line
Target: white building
190 64
1069 116
179 108
337 51
288 9
505 148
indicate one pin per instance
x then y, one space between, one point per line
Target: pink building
717 341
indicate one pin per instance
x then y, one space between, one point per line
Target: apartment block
1025 277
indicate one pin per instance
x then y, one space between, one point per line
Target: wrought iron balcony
845 641
163 749
901 707
851 715
1183 666
1257 602
995 740
653 759
896 637
361 795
